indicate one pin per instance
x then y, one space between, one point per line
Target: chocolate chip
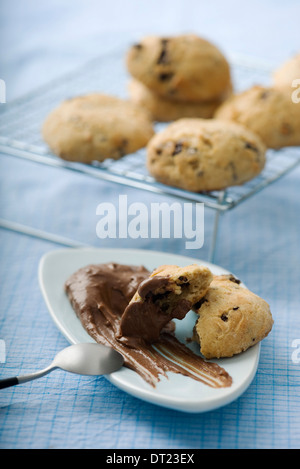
250 146
200 303
178 148
137 46
158 296
158 151
233 279
224 318
165 76
123 147
265 94
183 279
163 58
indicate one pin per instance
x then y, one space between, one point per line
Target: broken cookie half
231 318
169 292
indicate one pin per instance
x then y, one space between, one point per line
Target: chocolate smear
147 315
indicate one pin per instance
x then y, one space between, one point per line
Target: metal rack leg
213 243
40 234
214 239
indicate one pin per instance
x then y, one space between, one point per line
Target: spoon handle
7 382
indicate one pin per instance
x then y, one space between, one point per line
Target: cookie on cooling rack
95 127
231 319
205 155
269 112
169 292
287 72
166 110
182 68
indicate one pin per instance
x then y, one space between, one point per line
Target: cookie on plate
181 68
169 292
95 127
287 72
231 319
165 110
205 155
270 112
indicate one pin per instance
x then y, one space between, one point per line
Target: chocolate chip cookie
96 127
205 155
181 68
166 110
269 112
231 319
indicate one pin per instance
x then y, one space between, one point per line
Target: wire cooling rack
21 121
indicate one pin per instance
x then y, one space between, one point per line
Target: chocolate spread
146 317
99 295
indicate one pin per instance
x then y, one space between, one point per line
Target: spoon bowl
84 359
88 359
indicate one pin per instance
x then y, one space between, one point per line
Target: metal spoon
83 359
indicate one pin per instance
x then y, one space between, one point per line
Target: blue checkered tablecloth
258 241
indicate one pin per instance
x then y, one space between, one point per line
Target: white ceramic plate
175 392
